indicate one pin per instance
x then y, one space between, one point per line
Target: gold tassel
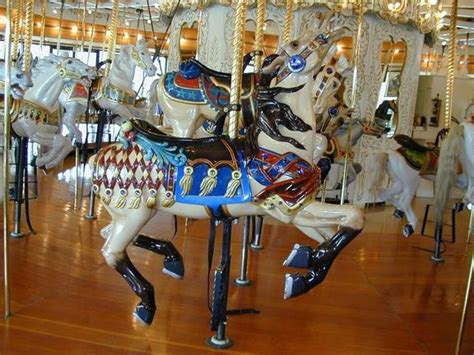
233 184
209 183
186 181
122 200
135 202
151 200
168 200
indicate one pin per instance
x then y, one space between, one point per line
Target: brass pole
28 30
112 33
288 21
236 81
259 33
466 303
6 163
84 14
16 29
355 61
451 63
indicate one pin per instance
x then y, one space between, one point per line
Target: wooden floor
382 296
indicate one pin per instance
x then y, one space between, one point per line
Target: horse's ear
34 62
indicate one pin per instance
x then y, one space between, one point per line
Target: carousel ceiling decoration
425 14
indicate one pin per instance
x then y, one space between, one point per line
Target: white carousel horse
115 92
32 117
20 82
151 172
457 148
405 166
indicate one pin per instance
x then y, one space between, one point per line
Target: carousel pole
257 221
16 29
436 257
22 142
235 92
221 283
61 13
288 21
355 61
112 31
44 3
6 163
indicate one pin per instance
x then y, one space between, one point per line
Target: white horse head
20 81
143 58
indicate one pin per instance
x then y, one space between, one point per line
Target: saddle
410 143
213 151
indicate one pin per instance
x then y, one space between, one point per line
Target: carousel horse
115 92
196 96
406 166
20 81
149 172
34 116
456 150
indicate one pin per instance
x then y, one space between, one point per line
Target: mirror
392 59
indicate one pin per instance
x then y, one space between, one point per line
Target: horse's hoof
408 230
458 207
174 268
299 257
398 214
144 313
294 286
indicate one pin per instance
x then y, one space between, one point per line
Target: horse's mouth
17 91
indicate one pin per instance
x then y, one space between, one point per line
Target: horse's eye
143 53
69 61
294 44
19 75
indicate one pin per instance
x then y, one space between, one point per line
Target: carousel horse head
68 68
142 57
20 81
306 53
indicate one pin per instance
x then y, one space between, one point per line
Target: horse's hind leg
124 228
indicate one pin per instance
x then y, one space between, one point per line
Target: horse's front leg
125 226
70 118
322 218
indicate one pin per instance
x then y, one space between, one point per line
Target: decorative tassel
135 202
209 183
151 200
233 184
122 200
108 196
168 200
186 181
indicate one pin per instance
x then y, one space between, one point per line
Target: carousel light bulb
155 38
433 2
107 33
157 5
38 24
461 62
425 60
167 41
148 21
55 11
57 28
396 51
127 23
125 34
3 20
74 29
89 12
397 5
339 47
444 43
139 36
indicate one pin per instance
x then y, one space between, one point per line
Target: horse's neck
46 91
356 133
122 72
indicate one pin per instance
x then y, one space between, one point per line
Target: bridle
138 59
297 62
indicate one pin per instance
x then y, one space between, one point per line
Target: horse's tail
153 95
447 166
376 168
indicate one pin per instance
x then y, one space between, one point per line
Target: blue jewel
333 111
329 70
296 63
